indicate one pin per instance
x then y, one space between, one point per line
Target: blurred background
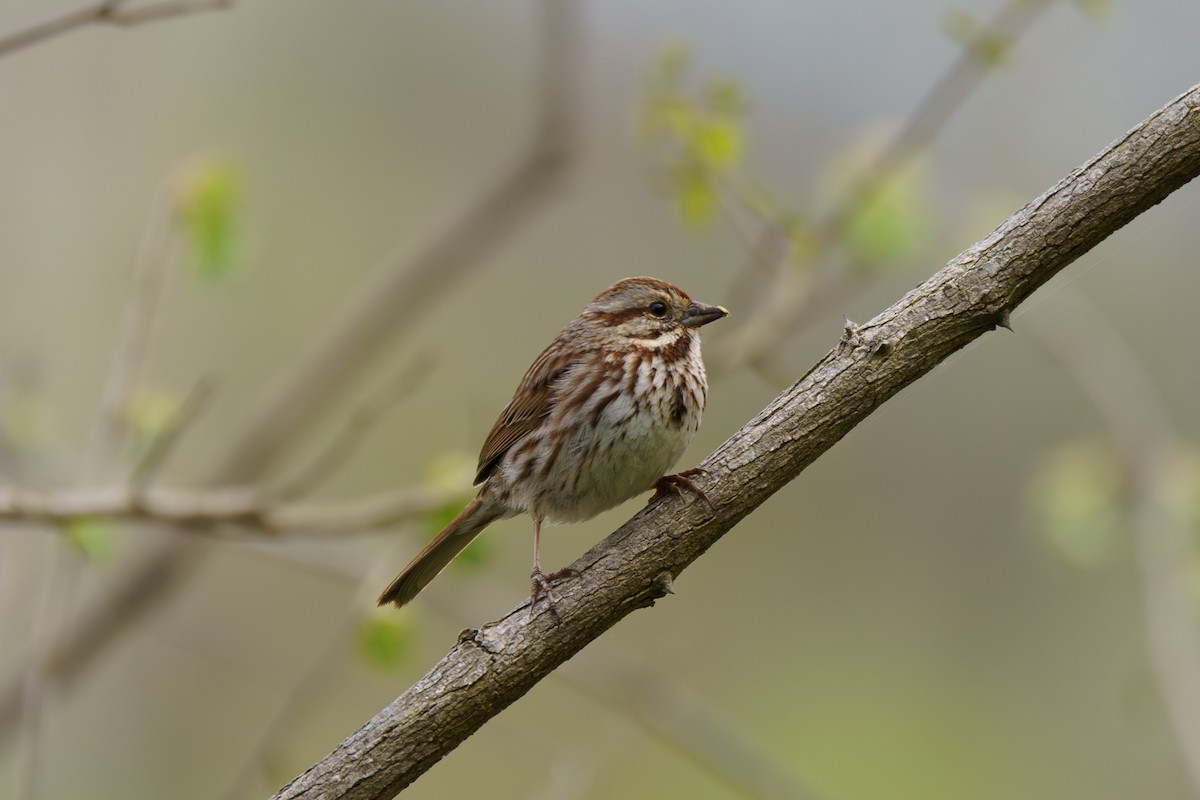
987 590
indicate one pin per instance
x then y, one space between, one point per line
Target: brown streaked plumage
601 415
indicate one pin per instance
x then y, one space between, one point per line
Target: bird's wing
534 400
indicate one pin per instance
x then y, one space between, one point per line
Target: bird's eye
658 309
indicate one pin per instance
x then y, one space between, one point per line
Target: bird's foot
544 585
678 483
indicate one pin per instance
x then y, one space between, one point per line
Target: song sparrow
601 416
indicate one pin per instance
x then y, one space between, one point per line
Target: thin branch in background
976 61
193 512
31 699
169 8
203 510
357 425
166 442
1115 381
413 281
767 251
109 12
787 303
129 353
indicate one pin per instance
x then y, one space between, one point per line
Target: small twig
165 442
767 254
129 351
128 354
206 509
34 683
356 426
107 12
164 10
946 96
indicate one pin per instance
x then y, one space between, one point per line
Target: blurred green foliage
385 640
208 204
1181 489
702 132
92 537
1179 493
890 227
1098 10
888 222
990 48
1078 497
151 412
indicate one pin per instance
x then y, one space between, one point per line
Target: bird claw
544 585
676 484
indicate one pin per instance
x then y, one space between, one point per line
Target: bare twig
975 62
129 352
1114 380
202 510
106 12
357 425
164 10
490 668
125 363
162 446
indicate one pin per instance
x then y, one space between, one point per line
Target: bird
599 417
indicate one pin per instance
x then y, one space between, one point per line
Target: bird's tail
461 531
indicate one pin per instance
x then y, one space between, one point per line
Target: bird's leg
676 484
543 584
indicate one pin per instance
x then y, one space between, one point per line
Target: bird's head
649 312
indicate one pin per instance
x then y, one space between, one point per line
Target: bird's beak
698 314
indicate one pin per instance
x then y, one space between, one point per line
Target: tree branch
107 11
207 508
492 667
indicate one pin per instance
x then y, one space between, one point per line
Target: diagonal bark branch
492 667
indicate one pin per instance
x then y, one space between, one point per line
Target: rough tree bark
491 667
